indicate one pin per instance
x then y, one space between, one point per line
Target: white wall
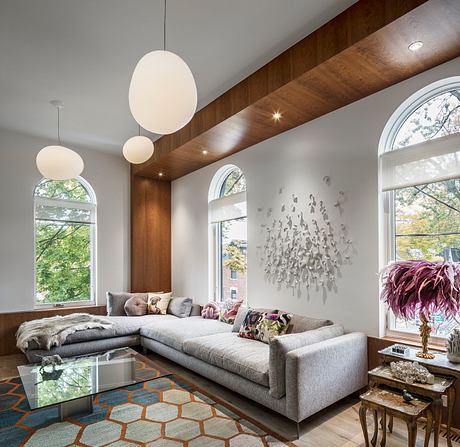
342 145
108 175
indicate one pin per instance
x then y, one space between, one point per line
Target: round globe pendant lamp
138 149
162 92
57 162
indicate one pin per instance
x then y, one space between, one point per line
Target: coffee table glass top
87 375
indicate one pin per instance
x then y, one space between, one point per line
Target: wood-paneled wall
375 344
150 235
9 323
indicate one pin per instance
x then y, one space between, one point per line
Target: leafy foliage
236 256
62 248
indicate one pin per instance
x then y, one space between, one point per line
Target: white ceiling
84 51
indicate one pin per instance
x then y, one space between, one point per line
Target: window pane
235 182
234 258
63 262
438 117
59 213
427 226
64 190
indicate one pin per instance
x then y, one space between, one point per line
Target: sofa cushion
180 307
280 346
175 333
247 358
116 302
301 323
122 326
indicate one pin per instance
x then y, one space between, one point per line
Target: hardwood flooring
336 426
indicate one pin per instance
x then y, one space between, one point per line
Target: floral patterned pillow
228 310
263 325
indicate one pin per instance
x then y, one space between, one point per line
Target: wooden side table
392 403
445 374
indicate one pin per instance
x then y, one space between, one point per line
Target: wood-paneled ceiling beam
359 52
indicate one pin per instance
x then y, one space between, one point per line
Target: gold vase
425 331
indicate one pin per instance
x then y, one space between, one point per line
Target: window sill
69 306
415 343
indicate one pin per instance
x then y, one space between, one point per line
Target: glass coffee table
73 383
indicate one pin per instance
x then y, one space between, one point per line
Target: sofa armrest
281 345
323 373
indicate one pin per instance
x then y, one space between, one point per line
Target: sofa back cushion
301 323
280 346
116 302
180 307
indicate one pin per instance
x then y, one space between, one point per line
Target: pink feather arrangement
411 288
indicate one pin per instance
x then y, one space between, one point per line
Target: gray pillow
135 306
180 307
116 302
242 311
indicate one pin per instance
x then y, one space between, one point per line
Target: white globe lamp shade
138 149
162 93
59 163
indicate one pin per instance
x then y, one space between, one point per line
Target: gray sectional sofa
297 374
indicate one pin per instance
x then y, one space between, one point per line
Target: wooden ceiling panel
361 51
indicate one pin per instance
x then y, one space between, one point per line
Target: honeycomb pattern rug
165 412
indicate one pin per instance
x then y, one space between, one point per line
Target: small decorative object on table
411 372
453 346
421 288
400 349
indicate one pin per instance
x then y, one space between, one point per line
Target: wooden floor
336 426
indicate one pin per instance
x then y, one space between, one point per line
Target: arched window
65 242
420 181
228 234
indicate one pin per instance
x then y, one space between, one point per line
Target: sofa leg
144 350
298 430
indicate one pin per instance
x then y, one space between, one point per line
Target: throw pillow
210 310
229 310
158 303
263 325
180 307
116 302
136 306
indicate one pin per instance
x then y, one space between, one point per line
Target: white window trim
215 279
386 229
92 206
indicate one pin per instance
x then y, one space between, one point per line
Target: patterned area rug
165 412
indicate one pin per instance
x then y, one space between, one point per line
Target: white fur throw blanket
53 331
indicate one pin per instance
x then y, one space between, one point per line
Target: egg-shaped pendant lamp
162 93
138 149
57 162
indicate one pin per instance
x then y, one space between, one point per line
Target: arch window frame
387 234
216 197
90 206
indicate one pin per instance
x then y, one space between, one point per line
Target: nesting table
445 374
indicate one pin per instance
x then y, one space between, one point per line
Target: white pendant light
162 92
138 149
57 162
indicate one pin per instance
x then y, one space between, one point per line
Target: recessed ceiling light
160 174
204 152
414 46
276 115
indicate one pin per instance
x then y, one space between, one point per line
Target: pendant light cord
164 28
58 126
